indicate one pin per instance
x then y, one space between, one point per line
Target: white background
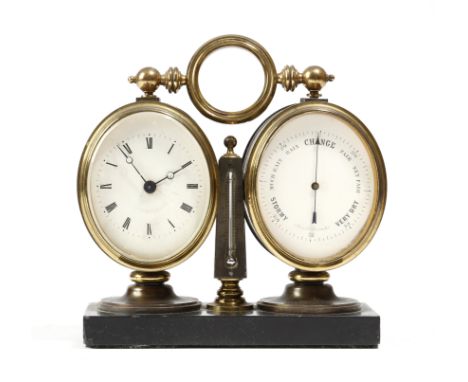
401 66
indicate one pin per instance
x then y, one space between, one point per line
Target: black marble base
256 329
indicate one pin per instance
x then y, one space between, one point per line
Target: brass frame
251 161
258 106
98 236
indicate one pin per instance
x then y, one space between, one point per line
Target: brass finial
230 142
289 77
173 79
148 80
314 79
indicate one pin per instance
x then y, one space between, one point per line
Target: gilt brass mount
148 295
309 295
313 78
269 86
230 299
148 80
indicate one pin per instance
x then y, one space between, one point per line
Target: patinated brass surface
309 295
303 276
230 256
148 295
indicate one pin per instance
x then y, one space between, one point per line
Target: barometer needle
129 160
315 185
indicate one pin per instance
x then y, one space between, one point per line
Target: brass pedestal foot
148 295
229 299
309 295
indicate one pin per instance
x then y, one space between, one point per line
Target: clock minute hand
183 166
129 160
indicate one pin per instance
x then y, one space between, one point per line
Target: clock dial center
149 186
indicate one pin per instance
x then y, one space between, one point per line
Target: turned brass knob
230 142
147 79
314 78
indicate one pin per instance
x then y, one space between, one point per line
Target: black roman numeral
111 207
127 147
149 142
126 223
171 223
170 148
186 207
192 186
105 186
149 231
111 164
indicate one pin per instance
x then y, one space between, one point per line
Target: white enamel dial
315 186
149 186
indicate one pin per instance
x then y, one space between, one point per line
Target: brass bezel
254 152
98 236
258 106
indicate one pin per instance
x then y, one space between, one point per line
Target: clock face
315 188
149 187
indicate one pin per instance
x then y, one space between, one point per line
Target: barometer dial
315 185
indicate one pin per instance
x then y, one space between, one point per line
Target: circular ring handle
258 106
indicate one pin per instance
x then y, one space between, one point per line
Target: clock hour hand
170 174
129 160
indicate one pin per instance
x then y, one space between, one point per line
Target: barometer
315 189
147 193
